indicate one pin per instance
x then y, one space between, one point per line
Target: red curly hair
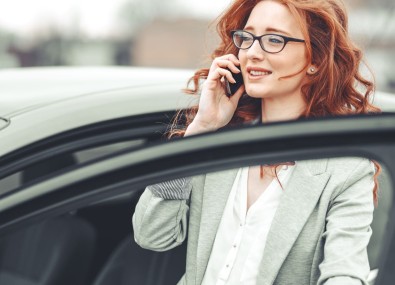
337 88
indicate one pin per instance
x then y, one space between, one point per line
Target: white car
79 145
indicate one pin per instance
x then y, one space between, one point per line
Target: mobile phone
231 88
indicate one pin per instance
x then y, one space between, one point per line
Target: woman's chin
256 94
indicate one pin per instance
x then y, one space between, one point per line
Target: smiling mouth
259 73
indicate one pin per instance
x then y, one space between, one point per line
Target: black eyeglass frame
286 40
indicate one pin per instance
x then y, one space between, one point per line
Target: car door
95 190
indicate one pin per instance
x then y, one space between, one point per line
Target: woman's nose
255 52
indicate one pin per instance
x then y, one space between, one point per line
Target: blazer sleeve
160 224
348 231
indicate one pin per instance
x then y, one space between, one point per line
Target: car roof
46 101
25 89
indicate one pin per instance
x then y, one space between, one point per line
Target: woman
304 222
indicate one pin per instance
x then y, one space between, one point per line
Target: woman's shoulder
338 166
348 165
349 170
343 169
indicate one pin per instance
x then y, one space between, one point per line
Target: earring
312 69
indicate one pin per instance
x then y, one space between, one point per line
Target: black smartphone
231 88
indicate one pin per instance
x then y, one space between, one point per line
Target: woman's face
263 72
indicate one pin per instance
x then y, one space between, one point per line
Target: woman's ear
312 69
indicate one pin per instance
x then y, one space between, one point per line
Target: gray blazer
319 233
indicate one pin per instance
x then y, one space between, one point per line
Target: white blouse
241 236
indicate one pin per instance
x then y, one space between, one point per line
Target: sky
95 17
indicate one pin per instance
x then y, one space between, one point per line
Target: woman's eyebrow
269 29
277 31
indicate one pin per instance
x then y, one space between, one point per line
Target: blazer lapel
298 201
216 191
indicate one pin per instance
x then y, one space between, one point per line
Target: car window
10 182
76 147
97 152
97 241
60 162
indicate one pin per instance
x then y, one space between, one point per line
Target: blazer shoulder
333 166
346 166
348 171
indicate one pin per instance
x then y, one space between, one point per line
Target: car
79 146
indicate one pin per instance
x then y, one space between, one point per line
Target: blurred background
156 33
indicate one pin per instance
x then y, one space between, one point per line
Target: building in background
180 43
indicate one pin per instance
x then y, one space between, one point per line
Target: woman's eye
275 41
245 39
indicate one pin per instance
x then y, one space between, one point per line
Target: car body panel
29 88
3 123
38 121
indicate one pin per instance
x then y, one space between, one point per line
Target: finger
231 57
228 64
226 73
228 58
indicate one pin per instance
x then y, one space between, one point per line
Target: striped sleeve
177 189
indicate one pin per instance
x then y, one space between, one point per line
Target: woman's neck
276 109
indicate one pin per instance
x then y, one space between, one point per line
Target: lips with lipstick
257 71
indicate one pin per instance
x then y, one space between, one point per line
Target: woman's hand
215 108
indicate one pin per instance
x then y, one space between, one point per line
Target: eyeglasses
270 43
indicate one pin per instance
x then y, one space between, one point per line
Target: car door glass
97 152
219 187
62 161
10 182
107 249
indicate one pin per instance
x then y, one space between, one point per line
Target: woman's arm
160 218
348 230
